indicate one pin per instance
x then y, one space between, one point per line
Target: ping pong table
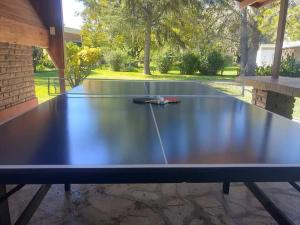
95 134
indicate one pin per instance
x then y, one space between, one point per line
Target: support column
280 38
275 102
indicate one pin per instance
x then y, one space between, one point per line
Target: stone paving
157 204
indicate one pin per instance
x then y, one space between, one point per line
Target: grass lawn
41 85
230 73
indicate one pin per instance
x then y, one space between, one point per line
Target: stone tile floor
157 204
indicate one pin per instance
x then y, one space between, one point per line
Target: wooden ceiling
254 3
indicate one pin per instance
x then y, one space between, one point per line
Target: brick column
274 102
17 91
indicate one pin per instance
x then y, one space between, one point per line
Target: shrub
46 60
263 70
288 68
215 62
41 59
130 64
164 62
116 61
189 63
80 62
203 64
130 68
37 54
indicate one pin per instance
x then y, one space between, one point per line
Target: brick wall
259 97
16 75
274 102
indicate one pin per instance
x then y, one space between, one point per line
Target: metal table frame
277 214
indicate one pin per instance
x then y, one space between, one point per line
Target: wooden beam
261 4
245 3
284 4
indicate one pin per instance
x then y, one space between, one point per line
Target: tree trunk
252 52
147 48
243 42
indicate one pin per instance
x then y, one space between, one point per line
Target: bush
41 60
203 64
80 62
46 60
130 68
130 64
189 63
164 62
288 68
263 70
215 62
116 61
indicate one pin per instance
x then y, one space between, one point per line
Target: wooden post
280 38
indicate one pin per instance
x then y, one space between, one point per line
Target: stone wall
16 77
275 102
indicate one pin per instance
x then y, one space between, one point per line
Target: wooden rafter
254 3
245 3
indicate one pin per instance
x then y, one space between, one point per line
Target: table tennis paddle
156 100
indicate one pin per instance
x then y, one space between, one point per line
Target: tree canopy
143 28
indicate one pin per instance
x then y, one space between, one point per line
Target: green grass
41 82
41 85
172 75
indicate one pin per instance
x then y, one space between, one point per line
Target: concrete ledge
15 111
284 85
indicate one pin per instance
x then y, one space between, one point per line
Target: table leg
269 205
4 208
67 187
226 187
295 185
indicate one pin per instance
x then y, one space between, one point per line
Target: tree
79 62
127 20
151 14
268 21
108 26
252 44
37 54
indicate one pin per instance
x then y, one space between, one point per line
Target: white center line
156 127
158 133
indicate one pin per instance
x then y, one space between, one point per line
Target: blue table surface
206 128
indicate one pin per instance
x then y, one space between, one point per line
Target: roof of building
72 30
286 44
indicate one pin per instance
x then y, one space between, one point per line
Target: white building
265 52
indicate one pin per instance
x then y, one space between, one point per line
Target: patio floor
178 204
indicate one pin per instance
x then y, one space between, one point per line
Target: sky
70 8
